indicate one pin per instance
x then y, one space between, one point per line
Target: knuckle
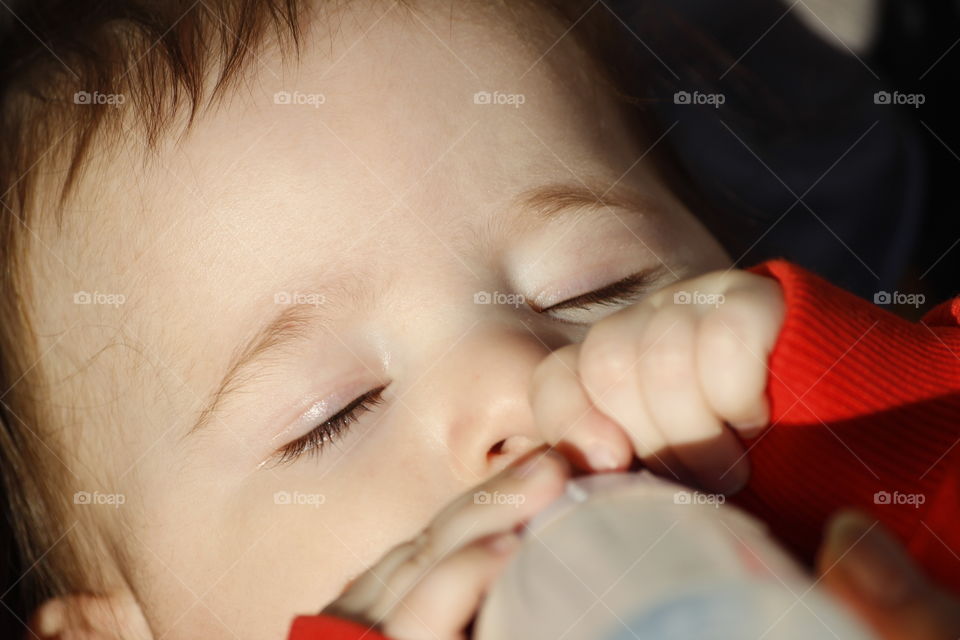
553 365
722 337
732 399
668 362
606 360
726 279
666 350
760 294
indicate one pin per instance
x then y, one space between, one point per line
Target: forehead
402 107
392 130
406 118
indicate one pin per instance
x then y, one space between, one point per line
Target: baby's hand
661 377
431 587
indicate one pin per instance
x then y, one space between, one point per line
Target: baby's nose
488 421
504 452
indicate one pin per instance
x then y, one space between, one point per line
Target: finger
502 503
499 505
443 601
863 565
608 372
367 589
565 416
680 412
733 349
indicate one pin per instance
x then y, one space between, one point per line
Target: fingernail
601 458
875 563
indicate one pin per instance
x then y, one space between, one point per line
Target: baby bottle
628 555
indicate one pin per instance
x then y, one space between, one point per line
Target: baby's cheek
241 558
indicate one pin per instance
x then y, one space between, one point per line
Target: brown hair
161 57
55 53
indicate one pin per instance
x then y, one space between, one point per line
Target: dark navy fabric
799 120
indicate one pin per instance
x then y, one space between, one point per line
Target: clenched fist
667 379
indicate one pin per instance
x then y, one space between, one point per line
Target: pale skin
669 380
717 371
430 588
399 185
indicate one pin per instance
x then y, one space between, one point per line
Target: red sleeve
330 628
865 412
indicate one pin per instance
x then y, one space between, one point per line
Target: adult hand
864 566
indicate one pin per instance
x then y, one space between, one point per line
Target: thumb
864 566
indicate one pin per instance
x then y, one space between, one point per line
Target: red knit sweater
865 411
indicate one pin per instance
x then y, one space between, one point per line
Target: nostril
508 449
496 449
505 452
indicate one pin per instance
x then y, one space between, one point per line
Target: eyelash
621 292
331 429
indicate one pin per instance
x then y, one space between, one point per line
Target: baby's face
382 228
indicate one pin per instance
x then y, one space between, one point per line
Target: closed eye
625 291
330 430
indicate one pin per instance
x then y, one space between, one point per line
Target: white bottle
630 556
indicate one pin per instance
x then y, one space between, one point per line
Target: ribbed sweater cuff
865 410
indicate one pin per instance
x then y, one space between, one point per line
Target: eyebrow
547 201
289 327
297 322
